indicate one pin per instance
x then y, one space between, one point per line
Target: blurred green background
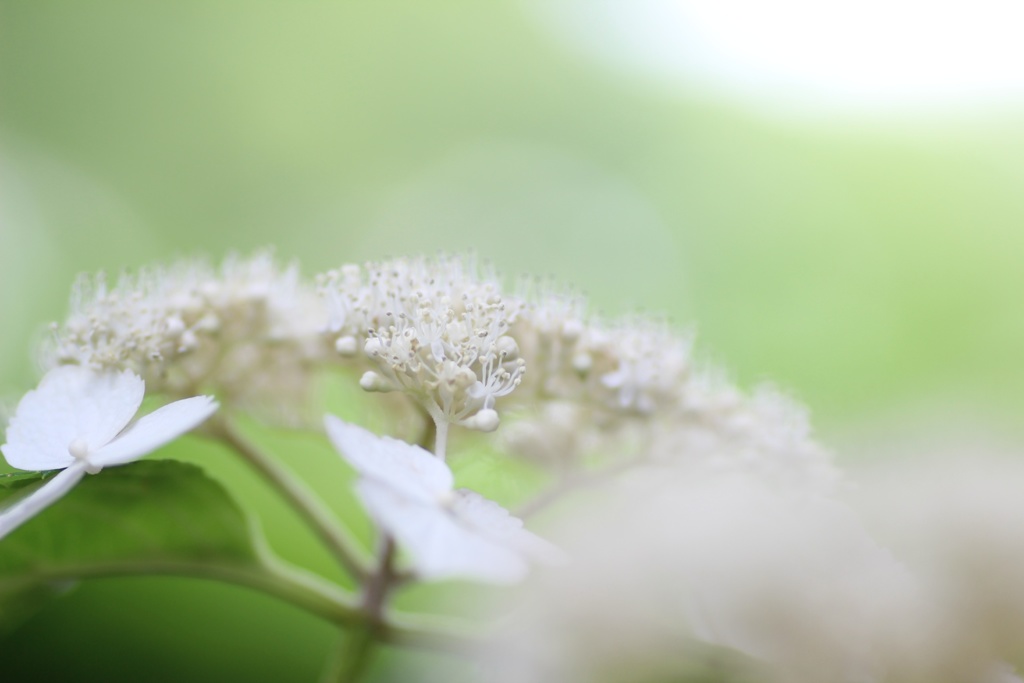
870 263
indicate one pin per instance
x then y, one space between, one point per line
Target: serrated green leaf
147 517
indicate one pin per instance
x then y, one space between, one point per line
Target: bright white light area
870 52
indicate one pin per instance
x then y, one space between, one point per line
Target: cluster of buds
248 331
638 366
629 367
628 389
432 328
764 432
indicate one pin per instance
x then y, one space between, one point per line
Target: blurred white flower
959 523
641 362
678 571
76 420
634 366
449 533
556 436
764 432
250 330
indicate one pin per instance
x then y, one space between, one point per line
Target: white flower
633 366
250 330
765 432
449 533
641 364
668 560
436 329
76 420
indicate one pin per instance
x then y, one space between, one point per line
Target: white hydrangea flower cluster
765 432
443 331
548 331
436 329
629 367
631 386
249 331
641 364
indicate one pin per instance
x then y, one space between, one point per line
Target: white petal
441 547
71 402
154 430
408 469
494 522
27 508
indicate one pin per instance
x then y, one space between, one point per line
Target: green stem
292 489
351 657
356 650
377 586
274 578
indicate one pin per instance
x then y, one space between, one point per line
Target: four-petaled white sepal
449 533
76 420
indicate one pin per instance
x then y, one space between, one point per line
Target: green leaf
16 480
151 517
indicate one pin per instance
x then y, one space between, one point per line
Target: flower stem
272 577
440 437
298 495
357 646
378 584
351 657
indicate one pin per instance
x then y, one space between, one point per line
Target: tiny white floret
76 420
449 533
